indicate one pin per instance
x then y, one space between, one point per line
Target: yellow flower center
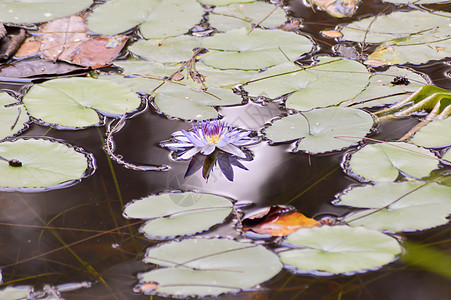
214 138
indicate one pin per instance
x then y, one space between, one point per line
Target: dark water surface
34 256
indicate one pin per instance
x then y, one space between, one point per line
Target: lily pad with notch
330 250
77 102
13 116
395 207
157 19
322 130
243 50
208 267
174 214
330 82
387 161
41 164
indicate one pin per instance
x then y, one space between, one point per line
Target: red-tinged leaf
331 33
290 25
277 221
100 51
67 40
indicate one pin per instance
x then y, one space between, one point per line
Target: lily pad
26 11
416 2
330 82
174 214
403 40
396 25
208 267
385 162
404 206
157 19
339 250
234 16
239 49
434 135
322 130
193 104
381 89
169 50
76 102
224 2
40 163
16 292
13 118
212 77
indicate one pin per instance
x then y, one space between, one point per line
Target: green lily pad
427 38
13 119
396 25
40 163
339 250
26 11
76 102
157 19
212 77
224 2
434 135
385 162
235 16
322 130
193 104
175 214
404 206
169 50
241 50
16 292
208 267
330 82
381 91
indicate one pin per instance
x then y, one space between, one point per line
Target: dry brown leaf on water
331 33
338 8
278 221
37 67
67 39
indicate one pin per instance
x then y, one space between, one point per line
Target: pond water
78 234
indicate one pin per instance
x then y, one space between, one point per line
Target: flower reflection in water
210 143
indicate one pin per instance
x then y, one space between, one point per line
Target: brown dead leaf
67 40
338 8
38 67
290 25
278 221
100 51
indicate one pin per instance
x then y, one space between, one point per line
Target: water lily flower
207 136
